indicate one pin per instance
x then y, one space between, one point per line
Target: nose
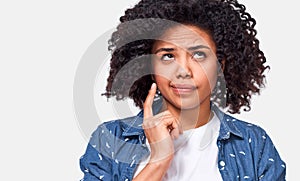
183 67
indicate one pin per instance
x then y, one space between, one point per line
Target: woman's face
185 66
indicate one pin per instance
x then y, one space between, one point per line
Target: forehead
185 36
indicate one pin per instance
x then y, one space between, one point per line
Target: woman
195 57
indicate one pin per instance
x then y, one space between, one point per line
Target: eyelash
166 55
202 54
171 56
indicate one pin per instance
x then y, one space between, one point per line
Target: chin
192 104
187 106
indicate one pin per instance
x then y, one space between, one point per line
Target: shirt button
222 163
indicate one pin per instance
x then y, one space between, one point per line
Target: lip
183 88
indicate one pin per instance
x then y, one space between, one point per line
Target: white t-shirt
196 155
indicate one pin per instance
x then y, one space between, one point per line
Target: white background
42 43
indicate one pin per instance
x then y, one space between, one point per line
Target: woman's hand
160 130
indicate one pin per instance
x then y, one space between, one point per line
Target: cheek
161 81
212 73
162 71
206 74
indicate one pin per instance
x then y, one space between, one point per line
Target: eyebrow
164 50
198 47
189 49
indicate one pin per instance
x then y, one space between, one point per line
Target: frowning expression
185 66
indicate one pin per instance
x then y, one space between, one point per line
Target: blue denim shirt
246 152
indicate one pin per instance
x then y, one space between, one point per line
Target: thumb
149 101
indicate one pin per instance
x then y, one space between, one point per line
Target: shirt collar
133 128
227 127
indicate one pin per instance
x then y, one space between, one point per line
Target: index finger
149 101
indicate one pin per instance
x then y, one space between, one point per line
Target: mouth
183 88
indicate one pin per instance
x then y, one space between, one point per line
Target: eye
167 57
199 55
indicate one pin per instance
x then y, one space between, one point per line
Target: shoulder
117 126
248 127
111 134
246 136
232 126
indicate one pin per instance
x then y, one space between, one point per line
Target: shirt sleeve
95 163
271 166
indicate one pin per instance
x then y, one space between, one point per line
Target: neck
193 117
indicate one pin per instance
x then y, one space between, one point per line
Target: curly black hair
226 21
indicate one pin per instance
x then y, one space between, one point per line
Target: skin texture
185 70
185 75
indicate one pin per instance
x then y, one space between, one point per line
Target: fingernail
153 85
